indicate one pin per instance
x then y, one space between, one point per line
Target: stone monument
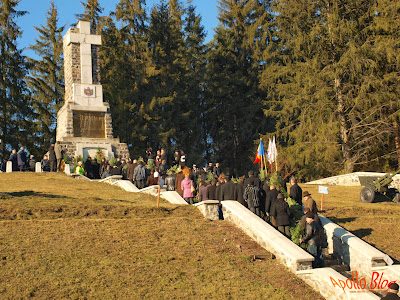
84 122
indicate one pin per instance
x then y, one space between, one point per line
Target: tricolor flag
260 152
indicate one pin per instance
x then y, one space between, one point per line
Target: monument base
84 147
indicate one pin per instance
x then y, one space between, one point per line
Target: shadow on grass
343 220
363 232
35 194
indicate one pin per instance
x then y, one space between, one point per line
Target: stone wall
352 250
96 64
352 179
72 66
209 209
109 128
65 127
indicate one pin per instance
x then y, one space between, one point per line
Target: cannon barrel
381 184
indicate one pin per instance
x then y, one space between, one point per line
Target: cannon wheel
367 194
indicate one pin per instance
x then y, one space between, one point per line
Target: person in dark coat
228 190
217 170
52 158
202 191
240 191
89 168
295 191
264 189
4 165
282 214
313 240
140 175
163 168
221 182
14 160
95 168
107 172
393 290
170 181
252 179
59 154
32 163
130 170
115 171
178 181
45 164
270 202
212 190
21 159
310 203
252 197
177 158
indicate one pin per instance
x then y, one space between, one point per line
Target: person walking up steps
187 186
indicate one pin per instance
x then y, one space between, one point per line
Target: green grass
376 223
64 238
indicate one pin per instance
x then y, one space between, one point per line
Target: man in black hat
311 205
313 240
392 292
309 202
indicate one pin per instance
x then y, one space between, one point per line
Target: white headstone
9 167
38 167
67 169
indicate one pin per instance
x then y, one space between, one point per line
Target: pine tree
196 140
92 13
166 108
234 98
15 108
126 67
46 80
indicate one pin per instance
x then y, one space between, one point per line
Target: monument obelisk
84 122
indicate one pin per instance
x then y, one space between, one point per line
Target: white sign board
323 190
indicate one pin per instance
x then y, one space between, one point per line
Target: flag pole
261 157
276 157
266 166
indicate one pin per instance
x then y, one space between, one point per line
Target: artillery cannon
378 188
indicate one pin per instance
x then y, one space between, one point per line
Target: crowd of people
20 161
197 184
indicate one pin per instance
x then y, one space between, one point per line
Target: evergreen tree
234 97
196 140
92 13
126 67
167 107
15 108
46 80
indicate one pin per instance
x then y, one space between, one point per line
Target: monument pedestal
84 123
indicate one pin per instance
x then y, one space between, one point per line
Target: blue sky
68 8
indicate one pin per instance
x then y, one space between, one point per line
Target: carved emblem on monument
88 91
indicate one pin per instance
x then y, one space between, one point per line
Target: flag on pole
272 151
269 152
260 152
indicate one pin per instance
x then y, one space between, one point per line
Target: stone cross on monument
84 122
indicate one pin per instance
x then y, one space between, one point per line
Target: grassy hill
66 238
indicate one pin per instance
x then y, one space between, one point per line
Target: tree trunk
344 128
